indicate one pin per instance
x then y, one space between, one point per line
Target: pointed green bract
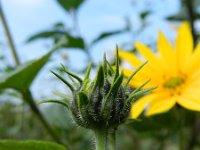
75 83
134 73
71 74
87 74
54 101
99 81
64 96
140 87
117 63
65 81
114 88
110 70
82 99
105 65
138 94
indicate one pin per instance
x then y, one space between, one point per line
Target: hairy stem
112 140
101 137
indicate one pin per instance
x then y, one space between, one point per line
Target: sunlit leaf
22 77
29 145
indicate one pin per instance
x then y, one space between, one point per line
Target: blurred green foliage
31 145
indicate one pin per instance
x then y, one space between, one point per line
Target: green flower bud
105 101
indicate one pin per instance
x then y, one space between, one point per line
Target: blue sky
26 17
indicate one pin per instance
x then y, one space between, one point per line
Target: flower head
174 69
104 102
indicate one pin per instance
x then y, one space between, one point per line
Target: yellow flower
174 69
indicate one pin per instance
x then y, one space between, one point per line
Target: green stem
13 51
181 127
112 140
101 137
29 99
191 16
75 21
194 134
9 37
181 140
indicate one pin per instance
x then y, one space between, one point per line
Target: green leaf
70 41
70 4
29 145
22 77
44 35
108 34
176 18
74 42
99 81
144 14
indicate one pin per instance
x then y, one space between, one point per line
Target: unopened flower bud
105 101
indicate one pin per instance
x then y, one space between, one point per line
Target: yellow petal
194 77
153 62
161 105
167 54
194 61
128 72
139 106
192 92
164 47
130 57
189 103
148 71
183 45
141 77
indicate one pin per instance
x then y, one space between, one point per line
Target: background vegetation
21 118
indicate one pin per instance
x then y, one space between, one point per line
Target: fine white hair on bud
105 101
